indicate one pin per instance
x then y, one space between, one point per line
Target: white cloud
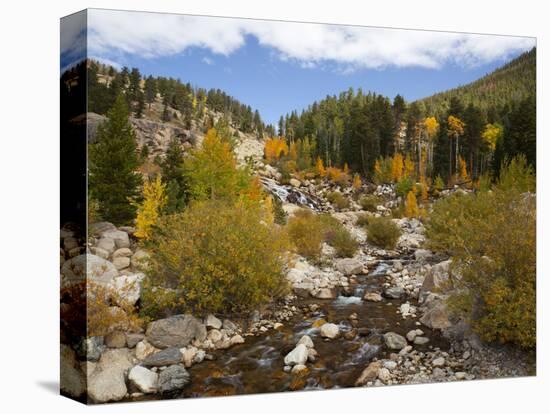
115 33
207 60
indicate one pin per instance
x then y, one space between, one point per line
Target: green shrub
369 202
279 215
492 238
344 243
306 233
336 198
363 219
214 257
383 232
403 186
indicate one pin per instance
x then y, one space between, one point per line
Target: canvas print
254 206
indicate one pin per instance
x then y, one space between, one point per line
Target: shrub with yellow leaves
214 257
411 206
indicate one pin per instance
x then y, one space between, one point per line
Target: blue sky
276 67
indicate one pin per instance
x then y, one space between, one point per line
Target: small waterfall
289 194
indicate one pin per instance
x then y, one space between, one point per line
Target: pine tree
174 178
113 180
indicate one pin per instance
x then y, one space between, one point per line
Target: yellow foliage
293 152
214 257
320 167
462 169
275 148
411 207
491 135
408 167
346 168
397 167
424 189
148 211
455 126
336 175
356 182
431 126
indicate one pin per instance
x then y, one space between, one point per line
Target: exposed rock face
107 382
173 378
176 331
143 379
394 341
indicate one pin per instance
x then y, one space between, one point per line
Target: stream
257 365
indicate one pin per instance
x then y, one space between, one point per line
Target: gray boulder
163 358
212 322
72 379
143 379
349 266
298 356
394 292
394 341
120 238
88 265
107 382
437 317
175 331
173 378
437 279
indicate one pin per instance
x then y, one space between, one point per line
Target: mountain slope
510 83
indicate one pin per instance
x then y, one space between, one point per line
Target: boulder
230 326
413 334
91 348
70 243
395 292
421 340
124 252
437 279
384 374
325 293
115 339
330 330
121 262
143 379
372 297
175 331
128 287
107 382
438 362
169 356
132 339
394 341
298 356
437 317
97 229
212 322
72 380
306 340
120 238
88 265
173 378
236 339
349 266
295 183
370 373
214 336
139 258
144 349
422 255
107 244
104 254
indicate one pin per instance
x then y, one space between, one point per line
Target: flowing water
289 194
257 365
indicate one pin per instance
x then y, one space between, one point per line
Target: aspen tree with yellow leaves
148 211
